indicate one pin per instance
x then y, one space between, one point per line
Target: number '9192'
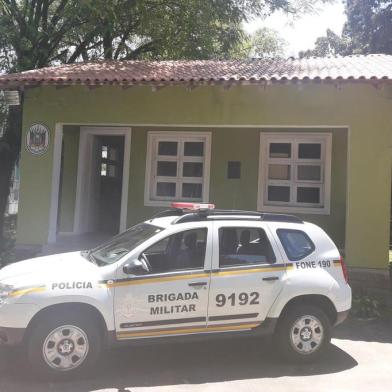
240 299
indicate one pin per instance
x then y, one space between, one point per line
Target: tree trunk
9 154
107 43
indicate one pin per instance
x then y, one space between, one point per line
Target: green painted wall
364 171
69 172
227 144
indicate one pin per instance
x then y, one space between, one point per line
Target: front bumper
11 336
14 319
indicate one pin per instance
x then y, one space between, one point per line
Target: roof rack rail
169 212
235 214
281 218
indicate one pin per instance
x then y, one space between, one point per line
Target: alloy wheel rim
65 348
306 334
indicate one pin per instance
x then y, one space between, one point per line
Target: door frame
83 186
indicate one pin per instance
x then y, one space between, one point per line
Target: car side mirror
135 267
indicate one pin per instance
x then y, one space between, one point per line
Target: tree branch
58 13
81 47
121 44
141 49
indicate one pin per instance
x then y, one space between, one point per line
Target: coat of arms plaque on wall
37 139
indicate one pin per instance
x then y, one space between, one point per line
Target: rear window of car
296 243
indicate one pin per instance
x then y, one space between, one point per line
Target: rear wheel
60 345
303 333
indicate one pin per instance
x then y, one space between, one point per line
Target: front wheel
63 345
303 333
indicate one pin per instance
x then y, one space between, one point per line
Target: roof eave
21 84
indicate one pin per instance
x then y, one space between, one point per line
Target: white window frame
295 138
153 138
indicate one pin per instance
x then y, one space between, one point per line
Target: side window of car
181 251
244 246
296 243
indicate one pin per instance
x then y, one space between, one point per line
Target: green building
108 144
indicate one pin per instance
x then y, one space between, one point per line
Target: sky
302 32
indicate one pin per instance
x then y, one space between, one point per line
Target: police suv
189 272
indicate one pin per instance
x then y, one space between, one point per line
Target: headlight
5 291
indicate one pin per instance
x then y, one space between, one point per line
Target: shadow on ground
123 369
190 363
365 330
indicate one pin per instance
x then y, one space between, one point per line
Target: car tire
61 345
303 333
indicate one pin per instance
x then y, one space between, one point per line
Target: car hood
45 269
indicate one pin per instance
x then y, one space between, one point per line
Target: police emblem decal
37 139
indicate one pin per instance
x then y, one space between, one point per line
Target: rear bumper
11 336
341 316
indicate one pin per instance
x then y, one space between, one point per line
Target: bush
6 257
367 307
7 249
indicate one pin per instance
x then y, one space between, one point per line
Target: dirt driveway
360 359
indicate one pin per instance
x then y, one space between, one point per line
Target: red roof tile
369 67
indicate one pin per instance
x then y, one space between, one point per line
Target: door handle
271 278
197 284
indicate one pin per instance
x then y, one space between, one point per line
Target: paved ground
360 359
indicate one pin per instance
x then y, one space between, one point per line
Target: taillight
344 269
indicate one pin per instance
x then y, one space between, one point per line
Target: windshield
112 250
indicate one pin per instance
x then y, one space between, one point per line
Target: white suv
191 271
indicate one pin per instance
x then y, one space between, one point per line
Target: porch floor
70 243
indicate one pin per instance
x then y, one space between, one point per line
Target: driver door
172 297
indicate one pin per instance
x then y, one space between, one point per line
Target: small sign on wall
233 169
37 139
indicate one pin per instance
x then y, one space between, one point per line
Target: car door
173 297
246 275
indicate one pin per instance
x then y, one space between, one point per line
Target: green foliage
38 33
267 43
35 34
369 25
329 45
368 30
3 115
367 307
10 142
7 255
263 43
